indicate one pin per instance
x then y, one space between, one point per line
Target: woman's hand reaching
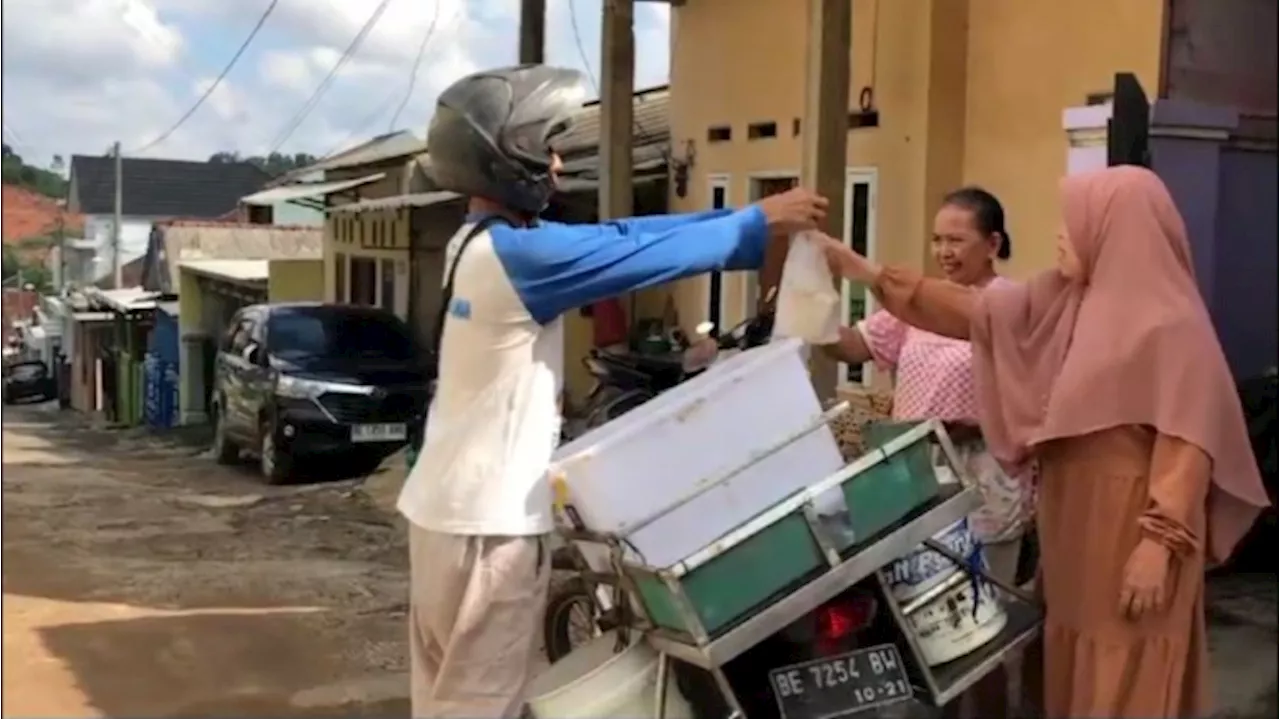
849 264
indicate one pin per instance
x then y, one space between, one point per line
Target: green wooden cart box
768 556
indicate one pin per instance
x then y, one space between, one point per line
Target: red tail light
843 617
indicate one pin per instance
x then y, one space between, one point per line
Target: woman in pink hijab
1108 373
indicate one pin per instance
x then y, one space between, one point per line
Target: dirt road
143 580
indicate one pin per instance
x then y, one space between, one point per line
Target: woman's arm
937 306
1178 488
850 349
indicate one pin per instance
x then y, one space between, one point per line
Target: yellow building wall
295 281
968 91
349 233
190 302
1028 61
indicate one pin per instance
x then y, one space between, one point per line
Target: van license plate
841 685
378 432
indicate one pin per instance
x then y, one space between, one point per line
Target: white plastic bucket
593 682
958 622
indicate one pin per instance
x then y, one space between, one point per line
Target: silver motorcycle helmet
492 133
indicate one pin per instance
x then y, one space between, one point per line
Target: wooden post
617 40
533 31
825 131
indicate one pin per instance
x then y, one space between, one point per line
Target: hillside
39 180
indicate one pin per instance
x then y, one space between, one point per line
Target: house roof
382 148
162 188
307 190
651 124
173 243
29 214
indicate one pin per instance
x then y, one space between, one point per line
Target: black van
316 381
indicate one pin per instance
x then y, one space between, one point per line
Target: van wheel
225 451
276 465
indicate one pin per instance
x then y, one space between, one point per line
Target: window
387 283
338 333
718 196
860 193
340 278
364 281
228 339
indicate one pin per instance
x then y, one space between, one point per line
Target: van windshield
314 333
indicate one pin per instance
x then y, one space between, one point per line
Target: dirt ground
143 580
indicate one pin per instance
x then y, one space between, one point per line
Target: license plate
841 685
378 432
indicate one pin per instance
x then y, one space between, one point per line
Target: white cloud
79 74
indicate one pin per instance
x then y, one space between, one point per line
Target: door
259 379
718 195
758 284
231 376
859 233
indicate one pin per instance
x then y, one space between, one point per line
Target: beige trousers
475 620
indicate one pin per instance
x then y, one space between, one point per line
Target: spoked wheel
570 620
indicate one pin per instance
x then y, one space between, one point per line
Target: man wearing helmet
477 500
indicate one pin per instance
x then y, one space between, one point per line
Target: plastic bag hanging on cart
808 301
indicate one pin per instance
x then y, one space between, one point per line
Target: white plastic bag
808 301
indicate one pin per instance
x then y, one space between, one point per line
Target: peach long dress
1099 495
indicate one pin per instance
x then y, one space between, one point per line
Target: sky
81 74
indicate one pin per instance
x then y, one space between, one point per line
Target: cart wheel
570 620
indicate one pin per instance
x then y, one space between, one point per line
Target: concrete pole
825 131
533 31
118 217
618 43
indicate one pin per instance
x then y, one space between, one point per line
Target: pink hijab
1133 344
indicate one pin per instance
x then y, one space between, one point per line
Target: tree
17 172
274 164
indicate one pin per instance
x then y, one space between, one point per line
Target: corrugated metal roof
420 199
125 299
91 316
302 190
382 148
237 271
651 125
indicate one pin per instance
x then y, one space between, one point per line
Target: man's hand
1143 586
793 211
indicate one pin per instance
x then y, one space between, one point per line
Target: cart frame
700 649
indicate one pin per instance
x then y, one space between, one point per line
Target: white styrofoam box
631 468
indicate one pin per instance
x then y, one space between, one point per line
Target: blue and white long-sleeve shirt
494 422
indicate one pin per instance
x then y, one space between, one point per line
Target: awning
125 300
91 316
307 190
238 272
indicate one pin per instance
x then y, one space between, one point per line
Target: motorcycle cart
706 613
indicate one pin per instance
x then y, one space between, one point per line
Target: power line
217 81
417 62
310 104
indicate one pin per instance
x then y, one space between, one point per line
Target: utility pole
824 132
117 220
533 31
618 41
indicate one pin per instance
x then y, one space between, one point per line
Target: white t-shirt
494 422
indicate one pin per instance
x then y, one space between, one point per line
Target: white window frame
398 280
720 181
869 176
